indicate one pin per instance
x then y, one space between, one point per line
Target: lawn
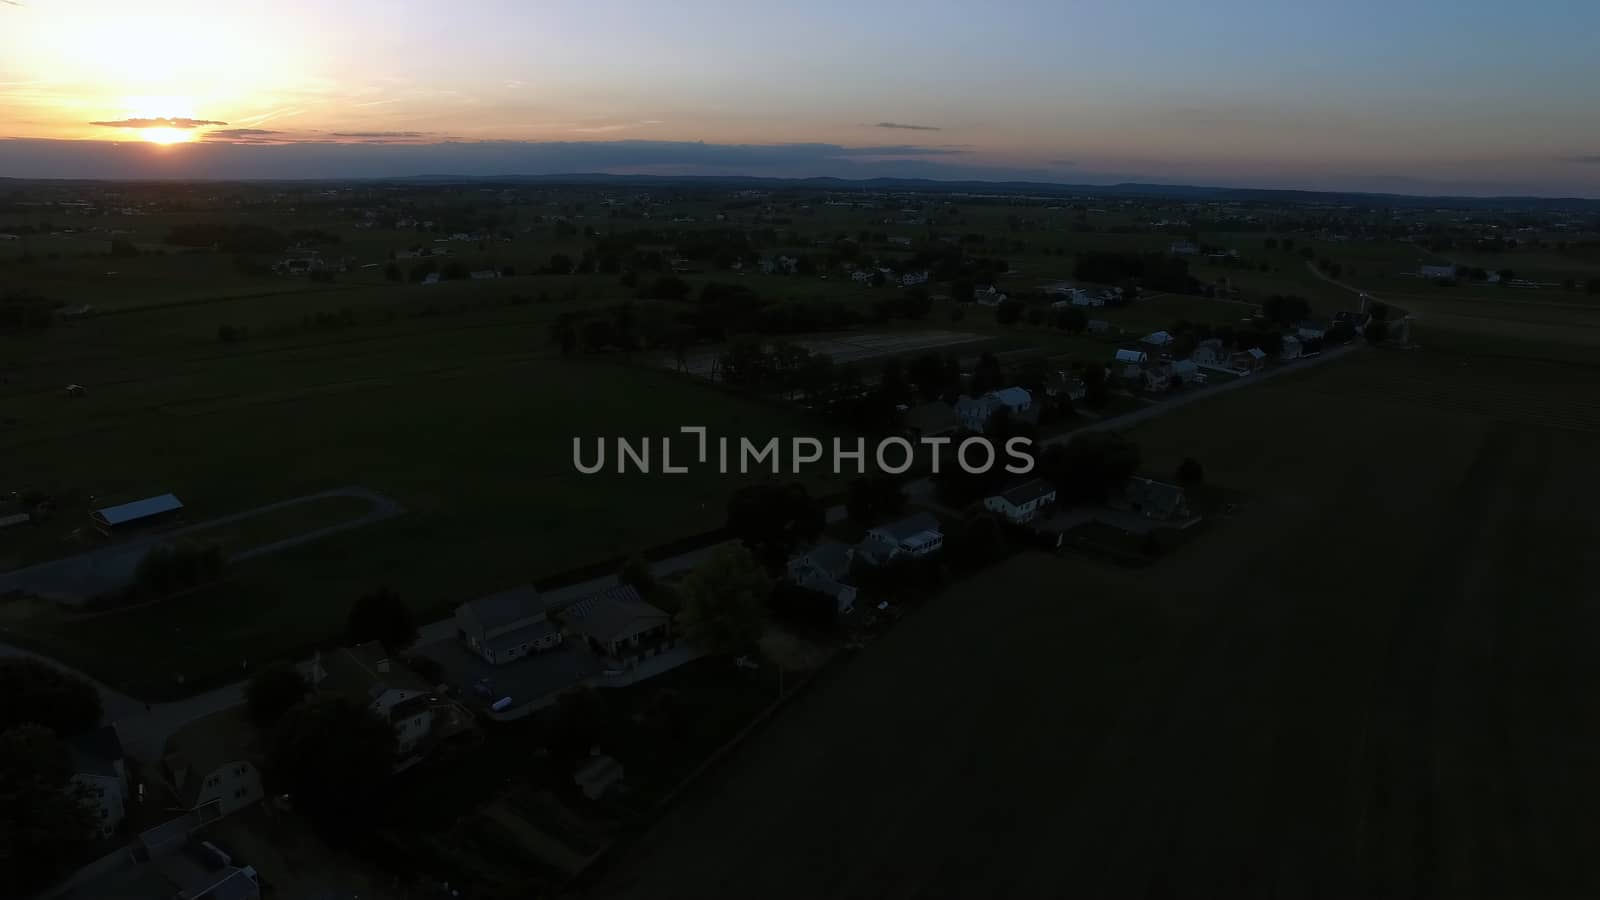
1372 680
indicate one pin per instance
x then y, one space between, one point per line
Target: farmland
1371 680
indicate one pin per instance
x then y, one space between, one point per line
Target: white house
1023 502
911 279
98 765
209 764
1291 348
397 695
975 412
916 535
1209 352
1307 331
825 568
1157 339
1135 357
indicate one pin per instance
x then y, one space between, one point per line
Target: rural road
144 730
76 578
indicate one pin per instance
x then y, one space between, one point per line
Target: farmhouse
1248 360
1130 363
1154 500
507 626
368 677
825 568
619 625
209 767
97 765
1210 353
140 512
1023 502
975 412
915 536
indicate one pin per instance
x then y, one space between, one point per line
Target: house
140 512
911 279
1248 360
1184 371
1135 357
618 624
1182 248
170 862
1291 348
598 775
1157 339
1209 352
507 626
975 412
209 765
369 678
1023 502
931 419
1155 500
825 568
915 535
97 765
1437 271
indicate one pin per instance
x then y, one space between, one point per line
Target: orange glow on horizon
166 136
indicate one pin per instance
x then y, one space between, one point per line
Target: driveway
74 579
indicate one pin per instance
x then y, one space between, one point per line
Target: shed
139 511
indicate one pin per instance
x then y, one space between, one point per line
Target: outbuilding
140 512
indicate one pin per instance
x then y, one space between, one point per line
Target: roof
1153 496
1157 337
910 526
502 609
1013 396
830 556
1257 352
207 744
1028 491
138 509
612 613
358 673
96 752
1131 356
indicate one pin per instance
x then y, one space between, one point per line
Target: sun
167 135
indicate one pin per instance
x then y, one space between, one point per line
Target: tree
1008 312
1377 330
1095 392
987 376
332 756
39 693
381 616
636 574
45 818
1190 471
1071 319
874 498
391 272
772 518
724 602
1089 467
273 691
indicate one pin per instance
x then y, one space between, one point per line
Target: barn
139 512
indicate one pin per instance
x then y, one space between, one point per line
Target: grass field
1373 680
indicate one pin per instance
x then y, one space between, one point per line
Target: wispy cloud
617 126
902 126
160 122
244 135
378 137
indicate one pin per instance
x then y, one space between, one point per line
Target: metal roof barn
113 516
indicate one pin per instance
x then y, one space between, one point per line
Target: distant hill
1040 188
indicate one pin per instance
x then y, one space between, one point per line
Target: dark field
1376 679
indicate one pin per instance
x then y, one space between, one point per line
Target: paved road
75 578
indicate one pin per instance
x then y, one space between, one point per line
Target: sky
1404 96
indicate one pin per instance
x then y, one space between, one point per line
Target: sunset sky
1420 96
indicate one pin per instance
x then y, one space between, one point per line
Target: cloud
244 135
618 126
159 122
904 127
380 136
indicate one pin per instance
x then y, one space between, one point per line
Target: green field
1371 680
